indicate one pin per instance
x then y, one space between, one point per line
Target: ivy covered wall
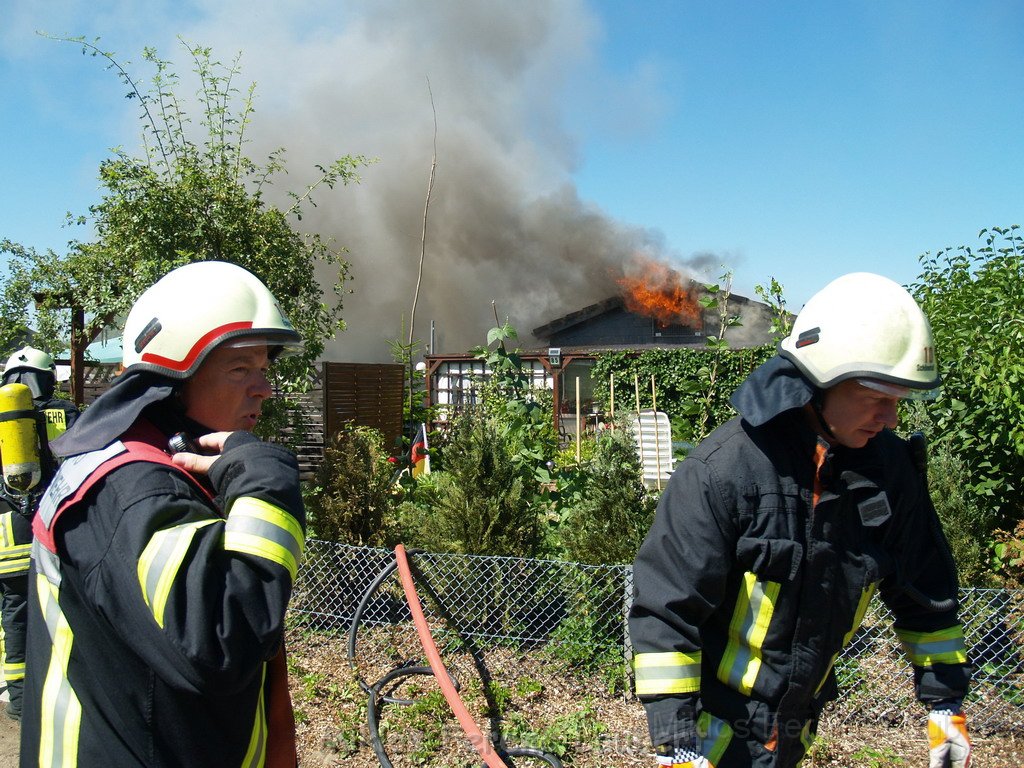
691 385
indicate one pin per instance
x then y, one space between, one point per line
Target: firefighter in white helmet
50 417
776 531
167 546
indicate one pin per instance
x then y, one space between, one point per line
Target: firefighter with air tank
30 416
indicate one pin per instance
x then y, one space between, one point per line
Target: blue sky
799 140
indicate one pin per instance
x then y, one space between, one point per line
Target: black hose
376 698
540 754
373 702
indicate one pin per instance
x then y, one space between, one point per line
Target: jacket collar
774 387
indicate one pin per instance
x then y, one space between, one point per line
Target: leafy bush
605 508
973 300
480 502
354 497
1008 549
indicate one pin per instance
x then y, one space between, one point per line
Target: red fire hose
473 732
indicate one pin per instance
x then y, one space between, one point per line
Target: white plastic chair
653 435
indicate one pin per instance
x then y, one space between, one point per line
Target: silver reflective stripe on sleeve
259 528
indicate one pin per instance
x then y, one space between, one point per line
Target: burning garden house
656 308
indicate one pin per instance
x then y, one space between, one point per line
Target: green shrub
481 505
354 497
605 508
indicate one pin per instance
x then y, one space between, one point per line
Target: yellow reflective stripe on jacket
808 736
56 423
61 716
160 560
669 672
13 671
6 531
714 736
750 619
858 619
945 646
256 754
259 528
14 558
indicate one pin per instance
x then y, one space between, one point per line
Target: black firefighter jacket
746 591
157 616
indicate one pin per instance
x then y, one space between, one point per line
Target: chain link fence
503 620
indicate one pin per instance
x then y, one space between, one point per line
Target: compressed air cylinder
19 441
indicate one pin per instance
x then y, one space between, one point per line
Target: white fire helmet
30 359
193 309
866 327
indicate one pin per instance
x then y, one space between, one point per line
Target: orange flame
653 289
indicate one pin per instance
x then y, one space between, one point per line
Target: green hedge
692 385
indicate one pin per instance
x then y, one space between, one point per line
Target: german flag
419 454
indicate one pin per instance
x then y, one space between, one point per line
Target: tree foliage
683 385
192 195
973 299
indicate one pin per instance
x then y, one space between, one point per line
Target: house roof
579 316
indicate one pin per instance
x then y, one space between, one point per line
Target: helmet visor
285 344
898 390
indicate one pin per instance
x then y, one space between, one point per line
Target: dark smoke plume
506 223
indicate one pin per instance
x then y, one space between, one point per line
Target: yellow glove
948 743
680 757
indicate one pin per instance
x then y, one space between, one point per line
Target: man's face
228 390
856 413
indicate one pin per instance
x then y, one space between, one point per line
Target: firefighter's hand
199 464
680 757
948 743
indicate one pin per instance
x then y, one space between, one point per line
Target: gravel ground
568 714
9 735
332 730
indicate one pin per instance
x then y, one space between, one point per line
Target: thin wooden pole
639 425
657 437
611 399
579 426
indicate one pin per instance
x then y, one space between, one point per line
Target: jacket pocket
776 560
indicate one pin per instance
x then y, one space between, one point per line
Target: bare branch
426 208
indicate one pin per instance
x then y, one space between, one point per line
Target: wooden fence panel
367 394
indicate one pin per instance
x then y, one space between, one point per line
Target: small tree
480 502
183 200
605 508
